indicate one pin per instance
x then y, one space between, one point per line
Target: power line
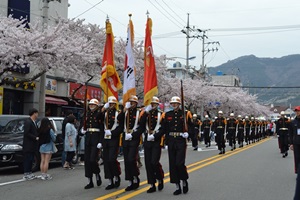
266 87
173 11
89 9
164 14
170 14
258 28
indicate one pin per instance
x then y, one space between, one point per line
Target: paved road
255 172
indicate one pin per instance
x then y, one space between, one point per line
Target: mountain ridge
266 72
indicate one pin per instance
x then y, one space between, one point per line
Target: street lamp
190 58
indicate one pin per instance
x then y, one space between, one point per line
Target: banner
50 86
150 79
129 68
110 81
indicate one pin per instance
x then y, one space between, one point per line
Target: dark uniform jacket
206 124
30 144
282 124
173 122
108 118
231 124
129 119
150 119
295 131
93 121
219 123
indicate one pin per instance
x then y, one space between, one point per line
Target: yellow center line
193 166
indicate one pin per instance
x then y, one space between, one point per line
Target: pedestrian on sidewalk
30 143
47 138
70 142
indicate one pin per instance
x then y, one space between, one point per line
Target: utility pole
187 42
205 50
42 94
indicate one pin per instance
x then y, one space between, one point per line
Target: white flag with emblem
129 69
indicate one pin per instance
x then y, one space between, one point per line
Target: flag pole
107 20
147 13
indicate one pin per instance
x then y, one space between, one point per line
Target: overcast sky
264 28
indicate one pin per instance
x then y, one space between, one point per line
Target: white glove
184 135
201 132
148 108
127 105
128 136
150 137
106 105
82 131
107 132
99 145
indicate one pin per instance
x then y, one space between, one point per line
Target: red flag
110 81
150 79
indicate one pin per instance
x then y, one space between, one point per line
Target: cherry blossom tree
69 47
75 50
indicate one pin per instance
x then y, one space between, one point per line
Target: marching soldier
240 131
282 130
131 140
206 128
113 127
220 127
194 131
92 143
247 130
252 129
231 129
150 123
174 127
295 144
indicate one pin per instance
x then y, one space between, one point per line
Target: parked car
11 142
4 119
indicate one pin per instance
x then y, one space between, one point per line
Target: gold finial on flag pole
107 18
129 15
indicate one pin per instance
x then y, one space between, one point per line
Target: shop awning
54 100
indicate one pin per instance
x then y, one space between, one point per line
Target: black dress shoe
160 185
185 188
137 184
99 181
109 187
117 182
129 188
151 190
89 186
221 152
177 192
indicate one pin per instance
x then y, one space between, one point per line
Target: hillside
254 71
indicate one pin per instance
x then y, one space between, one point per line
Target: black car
11 141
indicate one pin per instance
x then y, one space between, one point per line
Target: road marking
11 182
192 167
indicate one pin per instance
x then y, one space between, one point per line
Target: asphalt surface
254 172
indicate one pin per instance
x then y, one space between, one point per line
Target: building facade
19 98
